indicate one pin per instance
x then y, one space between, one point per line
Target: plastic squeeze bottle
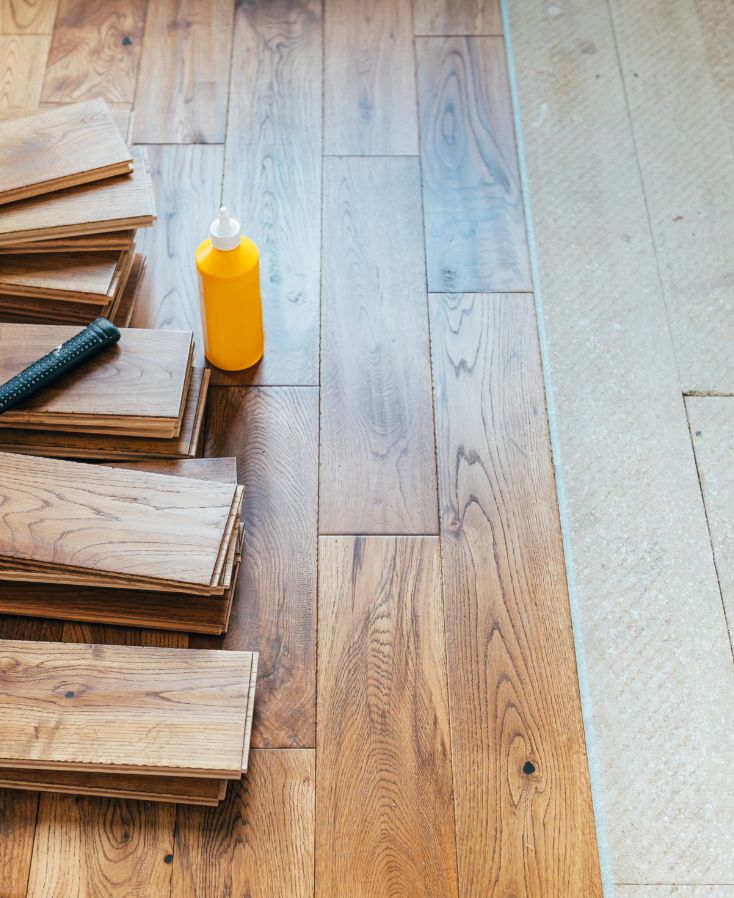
229 286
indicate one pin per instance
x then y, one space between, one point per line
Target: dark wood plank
95 50
259 841
186 182
377 456
385 824
524 818
474 218
186 56
446 17
274 434
272 177
369 78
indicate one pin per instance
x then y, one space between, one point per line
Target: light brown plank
447 17
524 818
274 434
95 50
18 812
259 842
88 847
272 177
186 182
27 16
377 458
369 78
186 55
474 219
385 823
22 64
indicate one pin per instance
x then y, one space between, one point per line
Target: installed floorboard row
474 219
385 823
259 842
369 78
27 16
272 177
95 50
22 64
274 434
447 17
524 818
188 62
377 470
186 183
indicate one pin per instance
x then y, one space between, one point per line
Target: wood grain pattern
144 375
383 725
369 78
117 203
95 50
259 842
47 508
27 16
186 181
377 463
272 177
89 847
60 275
18 812
274 433
474 218
22 64
459 17
59 147
126 709
55 444
525 823
186 55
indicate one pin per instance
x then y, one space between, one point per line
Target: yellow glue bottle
229 286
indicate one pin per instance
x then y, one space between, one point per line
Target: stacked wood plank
154 544
71 196
140 398
158 723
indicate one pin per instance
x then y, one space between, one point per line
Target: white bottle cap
225 231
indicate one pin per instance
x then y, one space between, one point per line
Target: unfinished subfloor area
497 280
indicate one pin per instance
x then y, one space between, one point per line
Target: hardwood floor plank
474 218
377 453
89 847
95 50
22 64
524 818
274 434
459 17
259 841
186 183
27 16
385 823
369 78
272 177
186 55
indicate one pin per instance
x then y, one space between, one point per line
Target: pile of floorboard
117 545
147 723
71 197
141 398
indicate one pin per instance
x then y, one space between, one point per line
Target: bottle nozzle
225 231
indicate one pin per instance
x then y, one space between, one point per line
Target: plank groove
385 824
274 434
272 177
377 457
95 50
186 55
524 817
369 78
474 218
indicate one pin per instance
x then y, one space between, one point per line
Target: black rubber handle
82 346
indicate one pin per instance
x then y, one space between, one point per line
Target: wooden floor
418 728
